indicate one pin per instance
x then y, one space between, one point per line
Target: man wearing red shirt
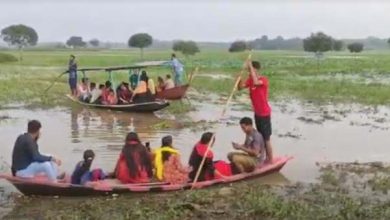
258 91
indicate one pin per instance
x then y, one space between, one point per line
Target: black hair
160 79
206 138
93 85
84 166
84 79
33 126
72 56
166 142
101 86
168 76
144 76
246 121
173 55
111 90
133 146
108 84
256 65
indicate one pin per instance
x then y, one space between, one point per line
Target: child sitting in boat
83 90
210 169
167 163
82 174
134 164
169 84
160 84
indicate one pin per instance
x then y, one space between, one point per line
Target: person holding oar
258 85
72 70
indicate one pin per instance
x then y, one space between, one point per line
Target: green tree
238 46
388 41
94 42
140 40
318 43
76 42
338 45
355 47
186 47
20 36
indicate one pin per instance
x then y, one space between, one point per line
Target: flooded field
310 133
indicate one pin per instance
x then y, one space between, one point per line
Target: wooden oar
192 75
222 114
55 80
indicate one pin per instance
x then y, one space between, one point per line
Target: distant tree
75 42
338 45
20 36
140 40
238 46
355 47
94 42
186 47
318 43
388 41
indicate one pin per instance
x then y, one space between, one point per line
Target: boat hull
139 107
176 93
43 188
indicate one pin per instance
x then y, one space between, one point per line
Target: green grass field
340 77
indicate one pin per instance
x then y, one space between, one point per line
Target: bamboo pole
222 114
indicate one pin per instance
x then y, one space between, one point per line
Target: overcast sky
204 20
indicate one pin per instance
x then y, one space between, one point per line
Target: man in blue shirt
27 162
178 70
72 70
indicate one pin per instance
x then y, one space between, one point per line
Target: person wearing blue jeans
27 162
178 70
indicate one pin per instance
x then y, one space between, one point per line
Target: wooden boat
176 93
137 107
40 185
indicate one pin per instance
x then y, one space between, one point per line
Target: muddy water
309 133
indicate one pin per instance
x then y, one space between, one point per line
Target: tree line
22 36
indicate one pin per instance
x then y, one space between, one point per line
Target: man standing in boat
258 90
178 70
72 70
27 162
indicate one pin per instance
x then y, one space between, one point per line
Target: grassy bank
341 77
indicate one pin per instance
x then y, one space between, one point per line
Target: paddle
222 114
55 80
192 75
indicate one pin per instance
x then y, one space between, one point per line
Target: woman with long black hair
134 164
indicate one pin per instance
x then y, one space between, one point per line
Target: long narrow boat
137 107
176 93
40 186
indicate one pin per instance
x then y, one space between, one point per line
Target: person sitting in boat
210 169
134 79
111 98
134 164
252 151
27 162
169 84
83 90
96 93
168 167
142 93
106 91
151 85
82 174
160 84
124 94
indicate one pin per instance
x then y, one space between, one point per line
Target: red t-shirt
259 96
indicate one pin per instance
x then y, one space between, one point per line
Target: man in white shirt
95 92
